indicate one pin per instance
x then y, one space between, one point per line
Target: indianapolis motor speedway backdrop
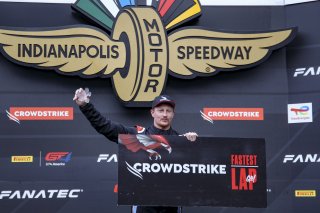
54 161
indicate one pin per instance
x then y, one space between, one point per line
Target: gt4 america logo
139 55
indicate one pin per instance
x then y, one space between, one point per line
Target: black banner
172 171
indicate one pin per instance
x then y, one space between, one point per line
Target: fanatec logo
302 158
44 194
206 169
306 71
107 158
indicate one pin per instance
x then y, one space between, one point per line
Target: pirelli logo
305 193
139 55
21 159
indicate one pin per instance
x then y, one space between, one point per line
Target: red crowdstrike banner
42 113
234 113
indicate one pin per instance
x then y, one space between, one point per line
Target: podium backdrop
62 165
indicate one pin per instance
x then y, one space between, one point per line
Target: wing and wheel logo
139 54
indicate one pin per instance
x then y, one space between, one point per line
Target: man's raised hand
82 96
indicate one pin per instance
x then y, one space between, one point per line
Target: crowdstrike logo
17 114
12 117
306 71
175 168
134 171
206 117
302 158
211 114
44 194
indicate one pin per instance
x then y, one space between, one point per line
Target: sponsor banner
303 77
59 196
107 158
38 194
301 158
41 113
21 159
193 51
58 158
306 72
172 171
300 113
233 113
305 193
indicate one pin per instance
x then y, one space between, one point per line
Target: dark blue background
269 86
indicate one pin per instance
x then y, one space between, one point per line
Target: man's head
163 111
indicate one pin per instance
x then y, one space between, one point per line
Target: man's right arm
108 128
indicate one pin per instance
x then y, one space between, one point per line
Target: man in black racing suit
162 112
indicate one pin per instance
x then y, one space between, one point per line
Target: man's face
162 116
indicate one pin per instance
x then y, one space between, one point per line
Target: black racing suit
111 130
